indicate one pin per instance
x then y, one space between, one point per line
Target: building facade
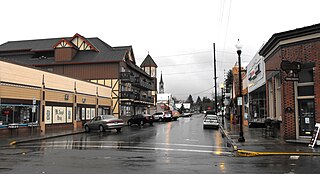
292 62
256 91
47 101
91 59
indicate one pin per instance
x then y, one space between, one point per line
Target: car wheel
141 123
118 129
129 123
160 119
101 128
86 128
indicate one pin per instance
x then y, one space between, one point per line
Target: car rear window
107 117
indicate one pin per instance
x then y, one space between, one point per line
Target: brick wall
303 52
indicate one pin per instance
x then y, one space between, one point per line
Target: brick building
293 89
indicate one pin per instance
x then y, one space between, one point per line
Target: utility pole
215 77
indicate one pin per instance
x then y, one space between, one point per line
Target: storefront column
42 106
75 108
97 103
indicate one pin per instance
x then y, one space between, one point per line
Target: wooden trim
68 42
85 40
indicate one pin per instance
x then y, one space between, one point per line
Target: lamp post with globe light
239 47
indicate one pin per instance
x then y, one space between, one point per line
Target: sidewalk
15 139
258 144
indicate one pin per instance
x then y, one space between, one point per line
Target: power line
190 72
200 52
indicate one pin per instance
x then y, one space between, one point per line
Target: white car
211 121
162 116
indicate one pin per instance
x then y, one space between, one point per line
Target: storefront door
306 117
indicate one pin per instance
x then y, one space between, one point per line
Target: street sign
33 109
239 101
292 78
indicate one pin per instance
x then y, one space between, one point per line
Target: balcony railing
127 95
127 77
143 83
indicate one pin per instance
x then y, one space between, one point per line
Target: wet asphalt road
172 147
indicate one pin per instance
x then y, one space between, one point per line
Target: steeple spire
161 85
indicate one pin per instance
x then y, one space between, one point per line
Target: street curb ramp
230 142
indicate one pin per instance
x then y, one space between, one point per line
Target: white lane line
140 148
124 142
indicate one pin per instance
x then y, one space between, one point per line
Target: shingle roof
33 45
148 61
106 52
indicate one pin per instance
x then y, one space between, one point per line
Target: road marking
218 152
124 142
294 157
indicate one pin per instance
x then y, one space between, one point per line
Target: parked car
163 116
104 122
211 121
141 119
167 116
158 116
186 113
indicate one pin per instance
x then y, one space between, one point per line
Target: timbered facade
91 59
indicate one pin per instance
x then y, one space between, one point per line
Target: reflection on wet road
181 146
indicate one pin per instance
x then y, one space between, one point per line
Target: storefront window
19 114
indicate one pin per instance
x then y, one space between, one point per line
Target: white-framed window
270 99
278 94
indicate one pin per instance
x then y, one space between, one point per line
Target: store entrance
306 117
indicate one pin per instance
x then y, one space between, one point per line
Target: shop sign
292 69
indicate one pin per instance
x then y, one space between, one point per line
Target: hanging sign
239 101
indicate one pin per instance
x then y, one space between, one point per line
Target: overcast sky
179 35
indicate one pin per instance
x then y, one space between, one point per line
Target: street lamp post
222 104
239 47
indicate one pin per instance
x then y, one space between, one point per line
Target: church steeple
161 85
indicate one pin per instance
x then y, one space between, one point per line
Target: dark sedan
141 119
104 122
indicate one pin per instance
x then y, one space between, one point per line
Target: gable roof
67 42
148 61
92 47
30 47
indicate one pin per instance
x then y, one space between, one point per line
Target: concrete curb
44 137
230 142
